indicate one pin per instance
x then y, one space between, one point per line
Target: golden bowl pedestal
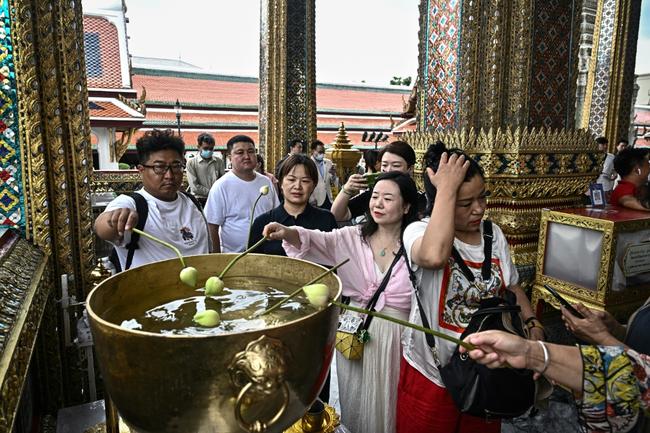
252 381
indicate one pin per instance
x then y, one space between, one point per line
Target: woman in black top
395 156
298 178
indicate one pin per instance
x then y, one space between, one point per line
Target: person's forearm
340 206
214 236
632 203
522 301
435 246
564 363
293 237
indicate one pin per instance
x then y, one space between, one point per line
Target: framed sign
597 195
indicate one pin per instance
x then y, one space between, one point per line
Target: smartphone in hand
566 304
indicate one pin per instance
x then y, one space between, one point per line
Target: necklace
382 253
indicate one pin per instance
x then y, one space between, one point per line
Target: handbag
476 389
352 331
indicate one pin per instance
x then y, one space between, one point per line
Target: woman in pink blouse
367 387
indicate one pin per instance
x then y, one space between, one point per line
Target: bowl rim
94 316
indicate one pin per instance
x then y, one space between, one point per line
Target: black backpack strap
431 340
142 208
381 288
486 267
194 200
486 270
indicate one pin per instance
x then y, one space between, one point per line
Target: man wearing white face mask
322 195
204 169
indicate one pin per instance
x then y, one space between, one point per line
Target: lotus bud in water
189 276
213 286
318 295
264 190
207 318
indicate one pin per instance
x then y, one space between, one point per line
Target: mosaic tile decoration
551 65
441 64
599 98
12 205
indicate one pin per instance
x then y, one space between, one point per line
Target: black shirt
359 204
312 218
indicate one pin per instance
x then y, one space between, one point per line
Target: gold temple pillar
498 79
55 162
287 76
610 80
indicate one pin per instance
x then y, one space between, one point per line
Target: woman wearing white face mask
205 169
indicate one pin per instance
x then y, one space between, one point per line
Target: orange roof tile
102 49
111 108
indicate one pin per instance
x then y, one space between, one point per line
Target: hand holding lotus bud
207 318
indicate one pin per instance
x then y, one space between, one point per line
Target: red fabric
622 189
424 407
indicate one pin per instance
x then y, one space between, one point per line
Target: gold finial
342 141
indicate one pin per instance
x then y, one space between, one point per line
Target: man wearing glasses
231 198
171 216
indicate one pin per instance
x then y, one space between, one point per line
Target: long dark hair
409 193
432 160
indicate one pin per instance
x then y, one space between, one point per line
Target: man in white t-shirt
231 198
172 216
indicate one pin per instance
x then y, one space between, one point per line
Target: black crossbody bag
476 389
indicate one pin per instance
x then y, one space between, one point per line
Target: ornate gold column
54 133
498 79
610 79
287 75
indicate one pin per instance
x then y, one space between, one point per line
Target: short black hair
292 161
628 159
370 156
602 140
431 160
623 140
238 139
399 148
206 138
295 141
316 143
156 140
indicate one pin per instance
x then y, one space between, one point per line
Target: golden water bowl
254 381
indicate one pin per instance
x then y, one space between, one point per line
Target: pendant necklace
382 253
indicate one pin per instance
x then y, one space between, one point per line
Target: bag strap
142 208
194 200
486 269
381 288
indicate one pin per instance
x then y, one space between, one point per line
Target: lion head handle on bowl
259 371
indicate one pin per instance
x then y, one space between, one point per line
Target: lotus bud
189 276
213 286
264 190
207 318
318 295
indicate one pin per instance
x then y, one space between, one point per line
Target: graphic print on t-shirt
187 235
460 298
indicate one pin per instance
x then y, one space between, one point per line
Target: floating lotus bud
213 286
207 318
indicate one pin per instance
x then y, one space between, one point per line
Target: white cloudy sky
356 40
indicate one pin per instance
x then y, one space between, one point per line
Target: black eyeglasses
161 169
